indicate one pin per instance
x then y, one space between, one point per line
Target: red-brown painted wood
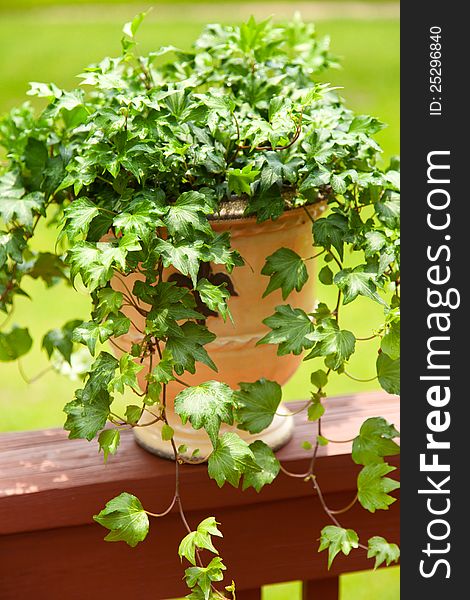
50 487
321 589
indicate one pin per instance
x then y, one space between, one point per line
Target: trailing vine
132 173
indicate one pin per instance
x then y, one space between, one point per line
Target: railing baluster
320 589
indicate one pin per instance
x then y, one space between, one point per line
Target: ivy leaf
375 440
78 217
390 343
357 282
127 375
14 344
88 413
388 209
256 404
133 413
206 405
290 329
337 539
388 372
267 462
267 204
332 341
382 551
230 458
214 297
189 348
187 214
316 410
319 379
126 519
331 231
326 275
163 372
220 252
90 333
287 271
204 576
201 538
109 301
183 256
108 441
365 124
17 206
239 180
60 340
373 487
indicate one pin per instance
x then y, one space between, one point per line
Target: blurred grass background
52 40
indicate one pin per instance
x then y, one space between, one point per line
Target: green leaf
365 124
167 432
326 275
337 539
319 379
163 372
87 414
127 375
204 576
185 257
201 538
268 464
388 372
109 301
315 411
390 343
357 282
388 209
287 271
379 548
130 28
267 204
188 348
290 329
91 333
239 180
108 441
230 458
373 487
78 216
332 341
214 297
206 405
375 440
15 205
14 344
187 214
60 340
331 231
133 413
126 519
256 404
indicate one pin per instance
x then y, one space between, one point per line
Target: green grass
45 46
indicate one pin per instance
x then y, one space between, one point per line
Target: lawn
53 45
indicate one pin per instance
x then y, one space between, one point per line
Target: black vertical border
422 133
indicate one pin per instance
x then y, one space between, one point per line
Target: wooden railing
50 487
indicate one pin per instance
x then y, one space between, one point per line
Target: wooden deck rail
50 487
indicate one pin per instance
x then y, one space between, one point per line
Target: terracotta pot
234 351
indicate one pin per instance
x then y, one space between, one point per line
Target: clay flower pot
234 350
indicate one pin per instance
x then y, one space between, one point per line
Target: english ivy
132 167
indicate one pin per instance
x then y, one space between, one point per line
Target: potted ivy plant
193 193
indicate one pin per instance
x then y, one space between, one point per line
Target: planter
234 351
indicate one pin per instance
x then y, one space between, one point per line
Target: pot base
275 436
